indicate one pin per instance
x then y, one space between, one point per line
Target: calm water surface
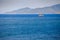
29 27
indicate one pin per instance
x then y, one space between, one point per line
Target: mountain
51 9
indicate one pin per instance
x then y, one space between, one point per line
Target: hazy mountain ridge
52 9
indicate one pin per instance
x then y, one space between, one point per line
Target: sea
29 27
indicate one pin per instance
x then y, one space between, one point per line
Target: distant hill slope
52 9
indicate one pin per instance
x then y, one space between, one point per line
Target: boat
40 14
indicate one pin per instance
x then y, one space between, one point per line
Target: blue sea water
29 27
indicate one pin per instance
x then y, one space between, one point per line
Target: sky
10 5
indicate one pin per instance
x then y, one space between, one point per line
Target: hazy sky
9 5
